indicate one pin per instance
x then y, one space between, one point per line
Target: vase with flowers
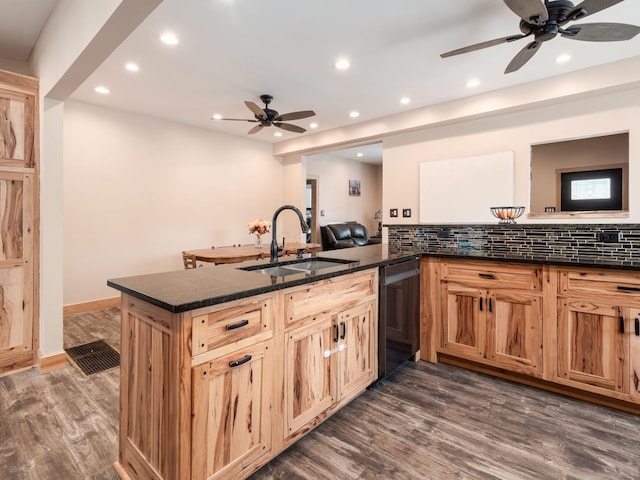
258 228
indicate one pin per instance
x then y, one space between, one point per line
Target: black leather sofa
345 235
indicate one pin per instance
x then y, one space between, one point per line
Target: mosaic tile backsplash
560 243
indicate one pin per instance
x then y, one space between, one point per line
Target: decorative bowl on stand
507 215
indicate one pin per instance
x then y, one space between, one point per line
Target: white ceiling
234 50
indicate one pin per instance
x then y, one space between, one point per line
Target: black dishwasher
399 315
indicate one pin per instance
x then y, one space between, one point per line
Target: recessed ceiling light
216 116
354 114
405 100
169 39
472 83
277 134
313 125
342 64
359 154
564 58
102 90
132 67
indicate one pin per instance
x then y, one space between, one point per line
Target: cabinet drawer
614 284
492 275
240 321
329 295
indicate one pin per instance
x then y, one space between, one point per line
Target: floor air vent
94 357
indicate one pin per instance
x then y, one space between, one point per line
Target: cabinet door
357 350
514 336
17 116
310 382
463 320
591 349
16 271
231 417
634 353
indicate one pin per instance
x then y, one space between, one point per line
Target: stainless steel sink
306 266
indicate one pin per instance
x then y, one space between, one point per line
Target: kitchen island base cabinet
216 392
231 424
331 353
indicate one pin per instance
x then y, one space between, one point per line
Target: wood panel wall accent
19 222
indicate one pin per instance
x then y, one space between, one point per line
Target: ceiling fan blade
590 7
290 127
237 119
601 32
481 45
295 115
257 111
255 129
531 11
523 57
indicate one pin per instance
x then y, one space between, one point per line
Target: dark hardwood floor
424 422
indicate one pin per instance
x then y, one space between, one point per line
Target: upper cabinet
18 97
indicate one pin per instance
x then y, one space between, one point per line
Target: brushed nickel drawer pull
488 276
240 324
242 361
623 288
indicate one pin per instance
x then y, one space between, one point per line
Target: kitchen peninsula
223 368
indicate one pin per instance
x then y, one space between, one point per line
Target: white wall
612 113
333 174
138 191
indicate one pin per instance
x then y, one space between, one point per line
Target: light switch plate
393 212
406 212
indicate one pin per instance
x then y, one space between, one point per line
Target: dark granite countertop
183 290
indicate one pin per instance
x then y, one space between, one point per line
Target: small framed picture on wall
354 188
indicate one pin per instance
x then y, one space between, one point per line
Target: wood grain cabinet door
16 271
463 321
591 348
17 112
514 336
231 416
634 352
357 350
310 385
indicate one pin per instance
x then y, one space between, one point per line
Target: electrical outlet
406 212
609 237
393 212
322 213
444 233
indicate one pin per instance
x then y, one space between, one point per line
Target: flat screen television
591 190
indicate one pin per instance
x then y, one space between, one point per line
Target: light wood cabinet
216 392
597 346
492 314
231 422
18 222
331 353
591 347
310 382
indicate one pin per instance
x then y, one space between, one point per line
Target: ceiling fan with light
266 117
545 19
